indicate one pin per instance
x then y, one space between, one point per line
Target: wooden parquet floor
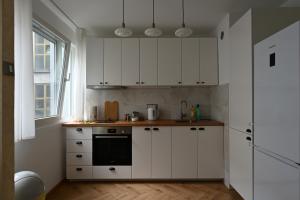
142 191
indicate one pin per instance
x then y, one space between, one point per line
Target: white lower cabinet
161 153
241 159
210 152
79 172
184 152
112 172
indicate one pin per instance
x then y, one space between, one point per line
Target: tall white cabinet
169 61
112 61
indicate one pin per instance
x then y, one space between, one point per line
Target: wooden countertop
143 123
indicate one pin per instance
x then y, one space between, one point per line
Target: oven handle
99 137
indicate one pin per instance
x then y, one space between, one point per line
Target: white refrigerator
277 116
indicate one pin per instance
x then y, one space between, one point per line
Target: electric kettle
152 111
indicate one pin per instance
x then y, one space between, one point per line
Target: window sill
46 122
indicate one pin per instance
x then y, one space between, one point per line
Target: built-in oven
112 146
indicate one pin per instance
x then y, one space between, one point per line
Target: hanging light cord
153 24
123 22
183 24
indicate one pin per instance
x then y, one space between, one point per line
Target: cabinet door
141 152
210 152
208 61
241 161
161 152
240 87
184 152
130 62
94 61
190 61
169 61
148 62
112 61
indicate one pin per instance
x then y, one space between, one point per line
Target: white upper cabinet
130 62
169 61
148 61
184 152
94 61
112 61
208 61
190 61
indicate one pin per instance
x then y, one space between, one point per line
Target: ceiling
101 17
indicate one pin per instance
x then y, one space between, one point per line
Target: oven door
112 149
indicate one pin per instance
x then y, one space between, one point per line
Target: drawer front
107 172
79 146
79 133
79 158
79 172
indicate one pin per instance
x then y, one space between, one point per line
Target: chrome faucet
183 114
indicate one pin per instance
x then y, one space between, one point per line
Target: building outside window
49 54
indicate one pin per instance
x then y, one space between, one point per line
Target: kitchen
155 99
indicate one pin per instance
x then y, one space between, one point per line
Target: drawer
79 172
79 146
79 133
79 158
106 172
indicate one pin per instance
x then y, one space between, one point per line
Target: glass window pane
39 49
48 90
47 63
39 91
39 63
39 104
39 113
39 39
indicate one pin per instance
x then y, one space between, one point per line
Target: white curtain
78 87
24 94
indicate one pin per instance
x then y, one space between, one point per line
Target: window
49 66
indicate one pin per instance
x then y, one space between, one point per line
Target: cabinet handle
179 82
142 82
101 83
202 82
106 83
79 169
201 129
79 143
248 138
198 82
147 129
248 131
79 129
78 156
156 129
193 129
137 83
112 169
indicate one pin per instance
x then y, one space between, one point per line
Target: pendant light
123 31
153 31
183 31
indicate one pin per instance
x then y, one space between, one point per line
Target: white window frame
48 32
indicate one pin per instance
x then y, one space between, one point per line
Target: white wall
291 3
45 154
223 50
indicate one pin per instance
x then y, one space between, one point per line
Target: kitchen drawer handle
78 156
106 83
201 129
198 82
137 82
79 129
156 129
193 129
147 129
248 130
79 169
202 82
179 82
248 138
142 82
79 143
112 169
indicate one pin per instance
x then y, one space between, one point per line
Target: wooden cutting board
111 110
